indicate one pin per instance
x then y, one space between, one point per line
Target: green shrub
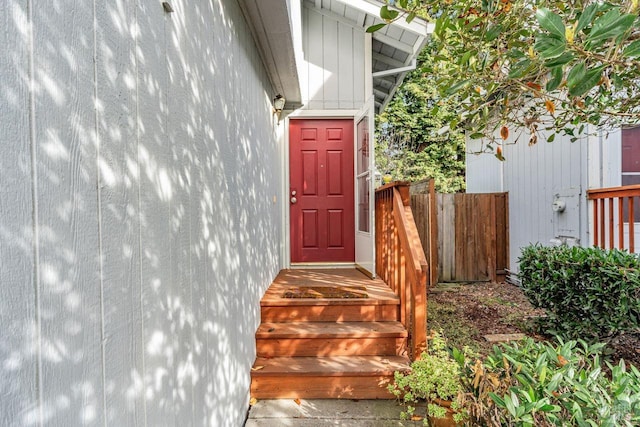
526 383
586 292
435 376
541 384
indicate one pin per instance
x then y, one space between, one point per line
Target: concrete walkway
325 412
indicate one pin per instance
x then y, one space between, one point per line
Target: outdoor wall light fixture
278 105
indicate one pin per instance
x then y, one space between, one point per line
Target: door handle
294 200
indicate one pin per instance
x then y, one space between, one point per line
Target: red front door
321 190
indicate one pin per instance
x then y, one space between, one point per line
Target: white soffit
395 46
272 31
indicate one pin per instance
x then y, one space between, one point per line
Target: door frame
286 215
365 242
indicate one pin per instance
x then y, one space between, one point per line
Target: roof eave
271 28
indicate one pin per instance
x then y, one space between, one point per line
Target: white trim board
322 114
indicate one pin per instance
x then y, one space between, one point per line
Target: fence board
484 238
420 208
447 238
465 235
440 226
502 234
461 233
433 234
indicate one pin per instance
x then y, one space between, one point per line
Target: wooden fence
465 235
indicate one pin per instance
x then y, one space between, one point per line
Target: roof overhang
394 47
272 30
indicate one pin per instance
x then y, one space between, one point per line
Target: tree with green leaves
410 145
533 64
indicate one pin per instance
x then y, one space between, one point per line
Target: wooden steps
330 339
322 312
328 347
338 377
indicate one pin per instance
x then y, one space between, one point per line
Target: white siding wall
19 326
483 173
331 75
610 155
534 176
138 228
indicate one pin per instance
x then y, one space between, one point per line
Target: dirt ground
465 313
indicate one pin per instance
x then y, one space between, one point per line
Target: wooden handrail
609 213
605 193
401 261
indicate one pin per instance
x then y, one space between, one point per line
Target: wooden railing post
402 263
403 189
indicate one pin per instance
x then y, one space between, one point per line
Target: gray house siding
138 226
332 72
534 176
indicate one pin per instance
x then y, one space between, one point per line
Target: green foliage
409 145
535 64
541 384
526 383
586 292
436 375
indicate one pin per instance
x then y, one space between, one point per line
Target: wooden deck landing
378 292
346 347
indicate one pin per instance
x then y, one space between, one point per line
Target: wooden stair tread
330 313
334 366
289 302
330 330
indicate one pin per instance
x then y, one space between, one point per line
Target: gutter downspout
409 67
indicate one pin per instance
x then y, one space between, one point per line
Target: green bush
541 384
435 376
525 383
586 292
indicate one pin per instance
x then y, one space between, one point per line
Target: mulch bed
467 312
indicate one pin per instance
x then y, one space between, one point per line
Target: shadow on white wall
137 224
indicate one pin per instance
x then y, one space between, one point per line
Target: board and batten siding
139 167
19 332
534 176
333 66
